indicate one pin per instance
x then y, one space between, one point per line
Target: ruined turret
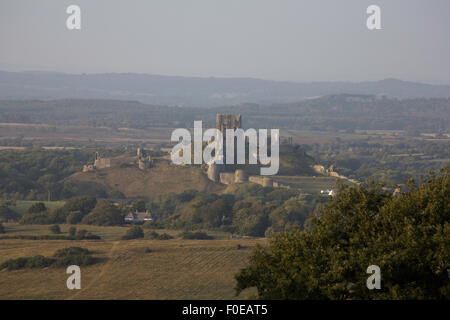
214 171
240 176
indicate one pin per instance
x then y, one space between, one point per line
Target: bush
2 229
74 217
135 232
196 235
38 262
61 258
73 256
83 234
72 231
104 214
55 229
156 236
57 215
83 204
61 253
35 218
37 207
164 236
7 214
152 225
27 262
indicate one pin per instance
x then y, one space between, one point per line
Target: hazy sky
298 40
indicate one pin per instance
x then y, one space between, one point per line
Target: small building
328 192
138 216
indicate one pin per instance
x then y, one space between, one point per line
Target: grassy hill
132 182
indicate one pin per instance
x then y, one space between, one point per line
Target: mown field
133 269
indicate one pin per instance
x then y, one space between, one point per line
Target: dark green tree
135 232
6 214
72 231
37 207
55 229
104 214
407 236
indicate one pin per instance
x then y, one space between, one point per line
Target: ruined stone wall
240 176
227 178
102 163
263 181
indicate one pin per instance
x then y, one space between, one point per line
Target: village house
138 216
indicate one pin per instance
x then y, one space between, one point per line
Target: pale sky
295 40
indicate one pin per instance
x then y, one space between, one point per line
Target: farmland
134 269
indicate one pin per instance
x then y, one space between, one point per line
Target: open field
173 269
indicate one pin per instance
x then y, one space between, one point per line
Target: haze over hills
195 91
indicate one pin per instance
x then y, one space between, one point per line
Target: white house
138 216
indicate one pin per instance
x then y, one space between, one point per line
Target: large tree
407 236
104 214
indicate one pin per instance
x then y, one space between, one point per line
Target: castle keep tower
228 121
216 172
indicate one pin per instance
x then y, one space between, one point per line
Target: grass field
22 206
173 269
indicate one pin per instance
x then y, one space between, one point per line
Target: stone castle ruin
142 160
220 173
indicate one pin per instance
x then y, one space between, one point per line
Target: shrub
73 256
85 235
27 262
134 232
57 215
38 262
70 251
152 225
81 233
83 204
156 236
37 207
55 229
104 214
35 218
164 236
7 214
196 235
72 231
74 217
61 258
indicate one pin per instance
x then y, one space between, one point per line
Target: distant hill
333 112
194 91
